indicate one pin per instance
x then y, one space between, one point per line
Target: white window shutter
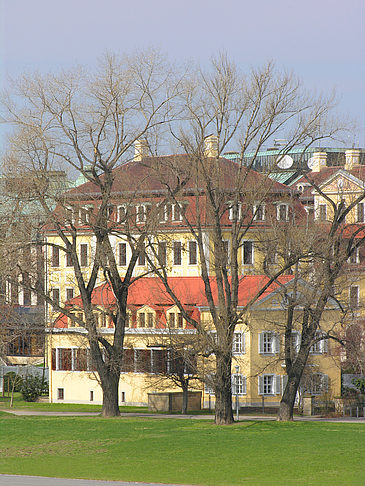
243 342
325 383
261 342
261 385
277 379
276 338
325 346
244 385
285 381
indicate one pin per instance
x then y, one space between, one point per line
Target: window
320 344
354 297
269 384
295 342
150 319
56 296
172 320
248 258
69 293
234 211
268 343
159 361
354 258
84 255
142 360
55 256
322 212
63 359
177 212
142 212
91 396
238 384
259 212
122 214
162 253
122 254
141 258
68 260
60 393
282 212
193 256
180 322
360 213
238 345
84 214
177 252
142 319
316 384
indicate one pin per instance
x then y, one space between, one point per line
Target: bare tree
227 198
87 124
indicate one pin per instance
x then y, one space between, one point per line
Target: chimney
140 149
211 146
352 158
319 160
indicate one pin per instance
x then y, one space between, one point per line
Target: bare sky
322 41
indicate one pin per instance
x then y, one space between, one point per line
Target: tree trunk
184 408
110 387
286 407
223 390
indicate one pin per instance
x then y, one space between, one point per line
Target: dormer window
142 212
259 212
234 211
84 214
360 213
282 212
122 213
322 212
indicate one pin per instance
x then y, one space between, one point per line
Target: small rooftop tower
352 157
140 149
211 146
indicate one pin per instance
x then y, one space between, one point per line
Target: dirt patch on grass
58 448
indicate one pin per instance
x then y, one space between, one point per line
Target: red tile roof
189 290
151 174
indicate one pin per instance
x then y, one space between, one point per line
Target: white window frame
142 217
269 346
321 345
321 387
355 256
84 214
278 205
232 209
319 213
241 385
269 384
263 208
238 344
173 212
121 207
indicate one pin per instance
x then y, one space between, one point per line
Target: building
139 196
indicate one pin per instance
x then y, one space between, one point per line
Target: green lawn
184 451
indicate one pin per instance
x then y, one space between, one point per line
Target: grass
20 404
184 451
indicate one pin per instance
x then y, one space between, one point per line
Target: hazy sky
322 41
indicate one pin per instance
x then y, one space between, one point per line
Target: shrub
32 388
360 384
9 381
